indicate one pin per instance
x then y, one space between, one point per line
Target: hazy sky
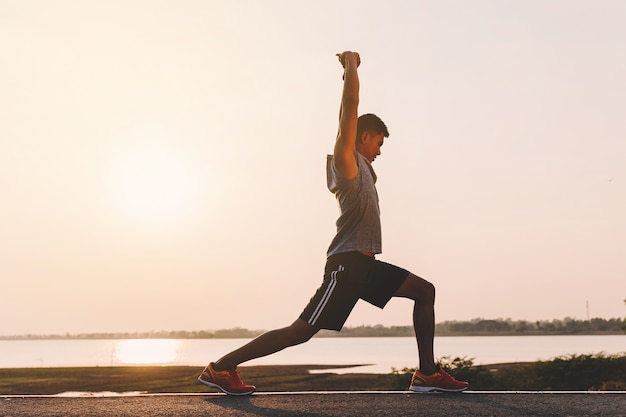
162 163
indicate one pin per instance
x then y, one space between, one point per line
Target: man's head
371 133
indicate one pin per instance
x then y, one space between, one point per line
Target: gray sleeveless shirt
358 225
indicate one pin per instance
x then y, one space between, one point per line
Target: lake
380 354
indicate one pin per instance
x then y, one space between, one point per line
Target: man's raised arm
345 146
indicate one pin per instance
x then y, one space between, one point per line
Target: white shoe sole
435 389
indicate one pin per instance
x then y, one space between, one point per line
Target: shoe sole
436 389
212 385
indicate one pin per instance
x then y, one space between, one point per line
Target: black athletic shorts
348 277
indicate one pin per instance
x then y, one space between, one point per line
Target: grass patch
576 372
179 379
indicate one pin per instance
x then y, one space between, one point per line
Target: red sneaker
228 382
439 381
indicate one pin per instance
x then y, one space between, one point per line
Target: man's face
369 145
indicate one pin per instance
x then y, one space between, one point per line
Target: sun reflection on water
146 351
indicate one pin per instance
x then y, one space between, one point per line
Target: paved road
324 405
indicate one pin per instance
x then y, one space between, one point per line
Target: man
352 272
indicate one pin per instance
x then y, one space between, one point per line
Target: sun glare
152 181
146 351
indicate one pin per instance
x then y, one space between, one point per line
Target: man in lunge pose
352 271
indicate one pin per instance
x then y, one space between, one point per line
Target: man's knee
429 291
417 289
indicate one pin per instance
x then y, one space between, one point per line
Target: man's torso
358 226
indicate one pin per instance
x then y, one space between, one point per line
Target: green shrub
581 372
564 373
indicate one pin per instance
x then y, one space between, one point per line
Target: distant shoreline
475 327
115 336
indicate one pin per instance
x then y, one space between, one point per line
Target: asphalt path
322 404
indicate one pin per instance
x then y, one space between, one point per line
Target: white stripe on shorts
326 297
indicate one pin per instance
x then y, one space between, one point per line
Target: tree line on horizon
474 327
567 326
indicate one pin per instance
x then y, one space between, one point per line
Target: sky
162 163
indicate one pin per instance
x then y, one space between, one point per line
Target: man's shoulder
335 179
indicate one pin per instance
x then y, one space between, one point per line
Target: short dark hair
371 123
